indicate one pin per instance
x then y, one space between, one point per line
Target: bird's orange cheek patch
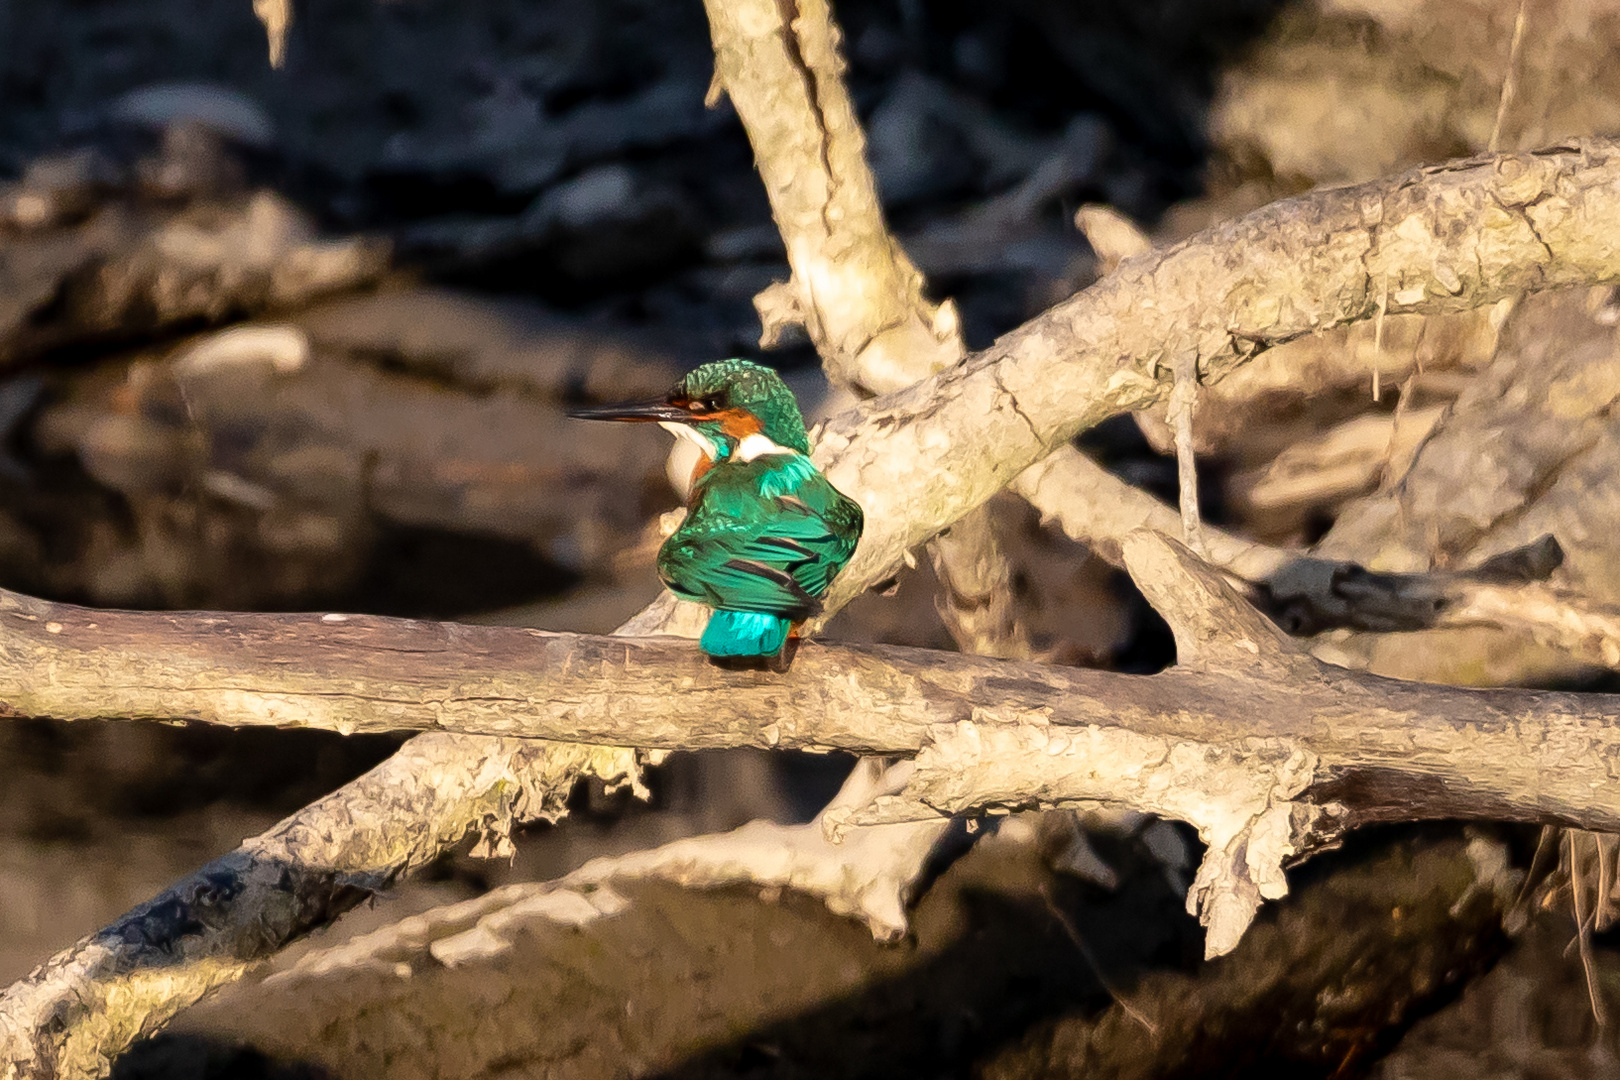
739 423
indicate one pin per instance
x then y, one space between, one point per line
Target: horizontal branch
1265 750
1390 748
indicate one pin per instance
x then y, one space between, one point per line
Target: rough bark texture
726 984
1307 594
369 674
1438 239
1266 751
1098 509
1442 239
853 289
72 1015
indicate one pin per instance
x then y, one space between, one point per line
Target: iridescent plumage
765 532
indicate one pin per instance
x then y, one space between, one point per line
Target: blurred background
302 338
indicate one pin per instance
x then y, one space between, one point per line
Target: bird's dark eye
712 403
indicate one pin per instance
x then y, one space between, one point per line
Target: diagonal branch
1444 238
209 928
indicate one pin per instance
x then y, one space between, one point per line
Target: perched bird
765 533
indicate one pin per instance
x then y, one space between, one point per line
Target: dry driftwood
853 289
1309 593
682 984
923 457
1293 391
1529 447
1438 239
1265 750
208 929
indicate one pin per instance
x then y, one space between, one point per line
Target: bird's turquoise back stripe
787 472
744 633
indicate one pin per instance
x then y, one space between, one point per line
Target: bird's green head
720 405
724 388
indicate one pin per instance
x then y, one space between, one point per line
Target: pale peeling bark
853 289
1092 506
1438 239
1265 750
923 457
72 1015
1309 594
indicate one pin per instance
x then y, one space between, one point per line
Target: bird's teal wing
766 536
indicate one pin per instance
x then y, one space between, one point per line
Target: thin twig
1090 958
1510 81
1183 401
1583 930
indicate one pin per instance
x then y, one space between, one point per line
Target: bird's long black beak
635 411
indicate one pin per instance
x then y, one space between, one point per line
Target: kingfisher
765 532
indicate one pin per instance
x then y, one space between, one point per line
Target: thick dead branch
853 289
1265 750
925 456
1443 239
1094 507
681 983
1308 595
71 1015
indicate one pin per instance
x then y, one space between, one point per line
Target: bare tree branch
853 289
1268 752
1309 594
1094 507
1442 239
71 1015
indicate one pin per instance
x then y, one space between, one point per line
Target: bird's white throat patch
681 431
751 446
758 445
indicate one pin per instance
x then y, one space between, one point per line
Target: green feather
766 536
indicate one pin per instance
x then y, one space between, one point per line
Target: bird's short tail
744 633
